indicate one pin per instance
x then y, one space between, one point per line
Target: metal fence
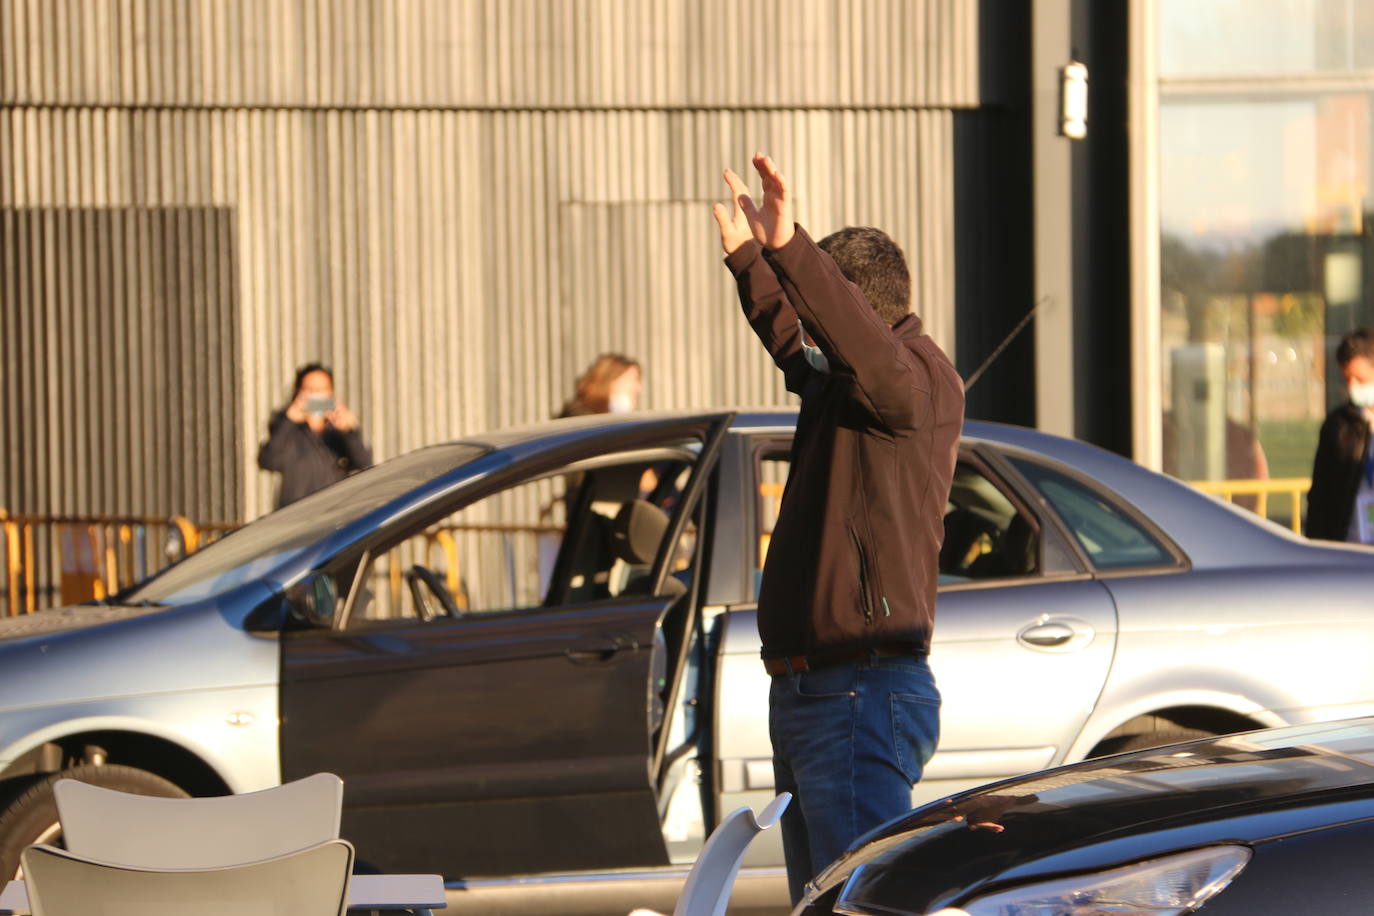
1255 495
54 560
57 560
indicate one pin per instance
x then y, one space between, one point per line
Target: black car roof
1245 787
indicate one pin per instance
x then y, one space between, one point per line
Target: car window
772 480
285 535
1106 532
986 535
568 537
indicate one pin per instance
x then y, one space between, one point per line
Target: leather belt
795 664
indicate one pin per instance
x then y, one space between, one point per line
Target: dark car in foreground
1278 821
532 654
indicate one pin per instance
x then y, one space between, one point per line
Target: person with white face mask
611 384
1340 505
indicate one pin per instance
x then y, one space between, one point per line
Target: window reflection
1203 37
1266 253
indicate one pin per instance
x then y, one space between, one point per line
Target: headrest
638 530
618 484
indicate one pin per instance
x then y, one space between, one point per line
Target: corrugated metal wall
492 54
458 205
120 341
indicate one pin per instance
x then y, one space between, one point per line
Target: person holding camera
315 440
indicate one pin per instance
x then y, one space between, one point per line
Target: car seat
963 529
1014 553
636 534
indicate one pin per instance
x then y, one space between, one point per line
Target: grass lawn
1289 446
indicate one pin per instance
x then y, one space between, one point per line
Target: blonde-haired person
611 384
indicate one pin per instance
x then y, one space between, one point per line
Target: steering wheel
418 574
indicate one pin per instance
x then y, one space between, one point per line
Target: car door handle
599 652
1048 634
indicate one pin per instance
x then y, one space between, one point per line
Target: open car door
495 693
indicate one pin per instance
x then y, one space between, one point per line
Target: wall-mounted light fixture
1073 100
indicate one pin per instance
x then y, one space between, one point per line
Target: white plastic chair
307 882
144 831
707 889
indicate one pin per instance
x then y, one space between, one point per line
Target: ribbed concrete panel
119 346
457 268
537 54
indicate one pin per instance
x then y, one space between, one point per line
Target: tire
1144 740
31 816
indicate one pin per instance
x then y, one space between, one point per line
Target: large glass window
1266 155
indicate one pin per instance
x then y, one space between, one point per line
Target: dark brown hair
305 370
874 263
1359 342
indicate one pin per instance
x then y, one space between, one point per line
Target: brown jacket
854 558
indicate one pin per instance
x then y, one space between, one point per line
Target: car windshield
297 531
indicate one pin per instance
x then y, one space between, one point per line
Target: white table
420 893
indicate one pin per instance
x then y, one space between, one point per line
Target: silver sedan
547 635
1090 606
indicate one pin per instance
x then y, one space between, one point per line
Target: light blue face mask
814 357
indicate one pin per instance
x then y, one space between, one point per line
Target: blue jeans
849 742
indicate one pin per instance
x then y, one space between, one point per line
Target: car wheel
1142 740
31 815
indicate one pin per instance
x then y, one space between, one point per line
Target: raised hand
734 225
341 418
772 224
295 411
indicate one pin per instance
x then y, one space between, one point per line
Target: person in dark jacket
1340 505
847 601
314 441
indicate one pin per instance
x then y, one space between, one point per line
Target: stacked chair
308 882
274 850
707 889
277 850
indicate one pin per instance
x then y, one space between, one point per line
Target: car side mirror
315 601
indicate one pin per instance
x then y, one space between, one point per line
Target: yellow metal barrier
13 559
53 560
190 535
444 538
392 567
1293 488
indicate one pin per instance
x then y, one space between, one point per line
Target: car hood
84 654
68 618
1037 824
